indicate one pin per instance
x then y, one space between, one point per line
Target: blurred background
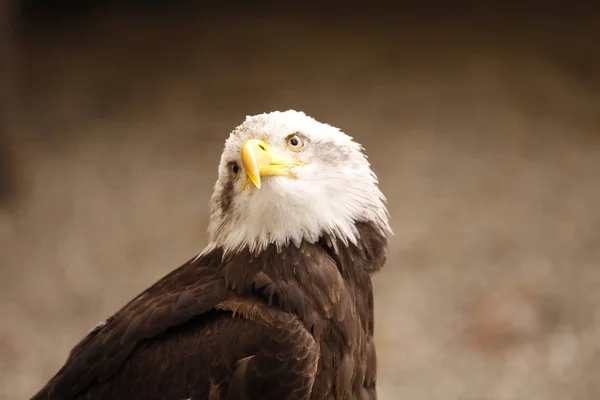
481 118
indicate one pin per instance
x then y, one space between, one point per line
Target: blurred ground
485 134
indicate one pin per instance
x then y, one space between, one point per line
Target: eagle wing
187 336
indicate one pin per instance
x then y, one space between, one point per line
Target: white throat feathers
285 178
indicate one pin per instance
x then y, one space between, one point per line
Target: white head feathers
333 191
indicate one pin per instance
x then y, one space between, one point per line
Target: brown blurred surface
484 129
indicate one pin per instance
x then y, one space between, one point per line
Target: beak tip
256 180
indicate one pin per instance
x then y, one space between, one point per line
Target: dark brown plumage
279 305
290 324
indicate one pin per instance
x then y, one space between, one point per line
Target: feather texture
293 323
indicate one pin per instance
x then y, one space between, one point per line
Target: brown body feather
290 324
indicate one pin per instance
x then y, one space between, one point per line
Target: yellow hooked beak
259 161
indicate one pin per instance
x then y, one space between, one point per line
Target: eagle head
285 178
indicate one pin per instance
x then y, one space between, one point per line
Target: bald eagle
279 305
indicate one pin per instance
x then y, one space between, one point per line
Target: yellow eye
234 169
294 142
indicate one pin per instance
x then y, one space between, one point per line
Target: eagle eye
294 142
234 169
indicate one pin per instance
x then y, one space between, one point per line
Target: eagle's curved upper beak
259 161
